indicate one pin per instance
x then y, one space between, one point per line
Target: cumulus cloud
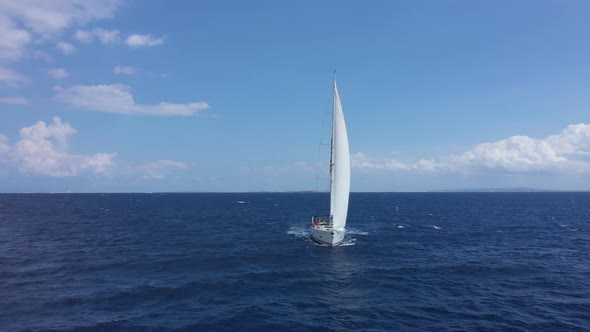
565 152
65 48
84 36
14 100
117 98
128 70
136 40
361 160
14 40
24 20
103 35
42 150
48 18
160 169
58 73
12 78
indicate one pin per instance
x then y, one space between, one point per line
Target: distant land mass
473 190
496 190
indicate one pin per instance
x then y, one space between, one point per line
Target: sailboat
329 229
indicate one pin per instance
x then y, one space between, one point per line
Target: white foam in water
354 231
568 227
299 231
400 226
348 241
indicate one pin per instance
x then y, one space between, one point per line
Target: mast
332 133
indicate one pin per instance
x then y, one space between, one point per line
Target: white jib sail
340 174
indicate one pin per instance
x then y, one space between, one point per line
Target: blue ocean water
225 262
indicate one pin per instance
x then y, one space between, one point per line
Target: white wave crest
299 231
354 231
348 242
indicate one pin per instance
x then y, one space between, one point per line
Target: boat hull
328 236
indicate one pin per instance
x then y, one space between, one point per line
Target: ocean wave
299 231
354 231
203 262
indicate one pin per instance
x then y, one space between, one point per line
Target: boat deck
321 220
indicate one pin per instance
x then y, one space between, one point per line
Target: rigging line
332 132
317 170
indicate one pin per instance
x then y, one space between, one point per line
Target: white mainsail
340 166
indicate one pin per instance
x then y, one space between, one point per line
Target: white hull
329 229
327 235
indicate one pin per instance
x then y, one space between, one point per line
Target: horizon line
437 191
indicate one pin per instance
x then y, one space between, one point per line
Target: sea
245 262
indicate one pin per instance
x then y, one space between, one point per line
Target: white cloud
48 18
117 98
565 152
65 48
23 21
103 35
11 77
84 36
13 41
42 150
107 36
14 100
361 160
160 169
136 40
573 140
125 70
514 154
58 73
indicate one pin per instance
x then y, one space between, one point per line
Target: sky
145 96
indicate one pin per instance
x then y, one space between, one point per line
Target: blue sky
116 96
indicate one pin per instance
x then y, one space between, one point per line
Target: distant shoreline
442 191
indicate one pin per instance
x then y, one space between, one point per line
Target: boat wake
305 233
348 241
299 232
353 231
